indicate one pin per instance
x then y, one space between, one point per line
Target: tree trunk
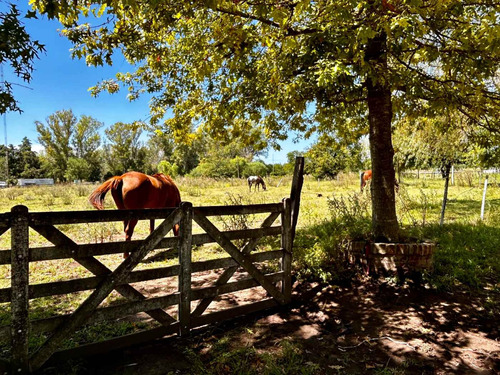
384 220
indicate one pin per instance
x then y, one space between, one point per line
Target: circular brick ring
405 259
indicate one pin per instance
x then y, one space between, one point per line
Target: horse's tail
97 196
361 180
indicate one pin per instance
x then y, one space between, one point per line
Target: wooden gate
191 303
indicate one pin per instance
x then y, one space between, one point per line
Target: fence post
20 326
185 245
483 202
445 195
297 182
286 246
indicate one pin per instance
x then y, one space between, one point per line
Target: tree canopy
65 137
291 64
327 157
339 66
125 152
433 142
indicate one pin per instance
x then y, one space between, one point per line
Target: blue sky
61 83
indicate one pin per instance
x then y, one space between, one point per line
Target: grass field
325 206
331 213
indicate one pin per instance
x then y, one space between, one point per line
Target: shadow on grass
366 327
467 255
460 208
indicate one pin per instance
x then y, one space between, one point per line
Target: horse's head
262 183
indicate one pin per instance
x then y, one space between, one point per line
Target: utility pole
5 133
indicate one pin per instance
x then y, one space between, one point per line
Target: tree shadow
365 327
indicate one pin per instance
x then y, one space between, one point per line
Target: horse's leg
151 225
129 231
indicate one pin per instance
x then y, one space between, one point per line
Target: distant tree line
76 149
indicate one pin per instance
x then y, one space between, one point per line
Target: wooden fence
60 328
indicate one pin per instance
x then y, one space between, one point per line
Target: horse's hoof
125 255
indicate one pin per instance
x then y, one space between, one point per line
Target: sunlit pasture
418 201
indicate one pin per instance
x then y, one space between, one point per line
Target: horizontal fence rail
86 250
173 311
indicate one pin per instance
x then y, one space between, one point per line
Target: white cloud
39 149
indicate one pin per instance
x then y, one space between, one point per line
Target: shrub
256 168
167 168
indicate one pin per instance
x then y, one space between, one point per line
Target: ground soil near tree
363 327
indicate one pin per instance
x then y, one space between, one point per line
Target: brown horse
257 181
367 175
135 190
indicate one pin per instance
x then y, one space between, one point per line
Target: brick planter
403 258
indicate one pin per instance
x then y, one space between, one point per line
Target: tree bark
384 220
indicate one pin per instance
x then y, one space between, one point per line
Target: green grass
287 358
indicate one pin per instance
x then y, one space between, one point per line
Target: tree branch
289 31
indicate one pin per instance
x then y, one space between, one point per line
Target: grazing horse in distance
364 177
135 190
257 181
367 175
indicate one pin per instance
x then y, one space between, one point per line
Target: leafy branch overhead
297 65
19 51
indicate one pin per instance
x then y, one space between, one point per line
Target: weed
13 193
222 358
466 178
66 199
351 212
82 190
194 192
49 200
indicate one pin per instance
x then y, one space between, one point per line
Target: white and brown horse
257 181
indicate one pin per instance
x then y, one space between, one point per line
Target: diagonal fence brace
229 272
102 291
243 260
98 269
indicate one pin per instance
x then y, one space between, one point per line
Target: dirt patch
368 327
